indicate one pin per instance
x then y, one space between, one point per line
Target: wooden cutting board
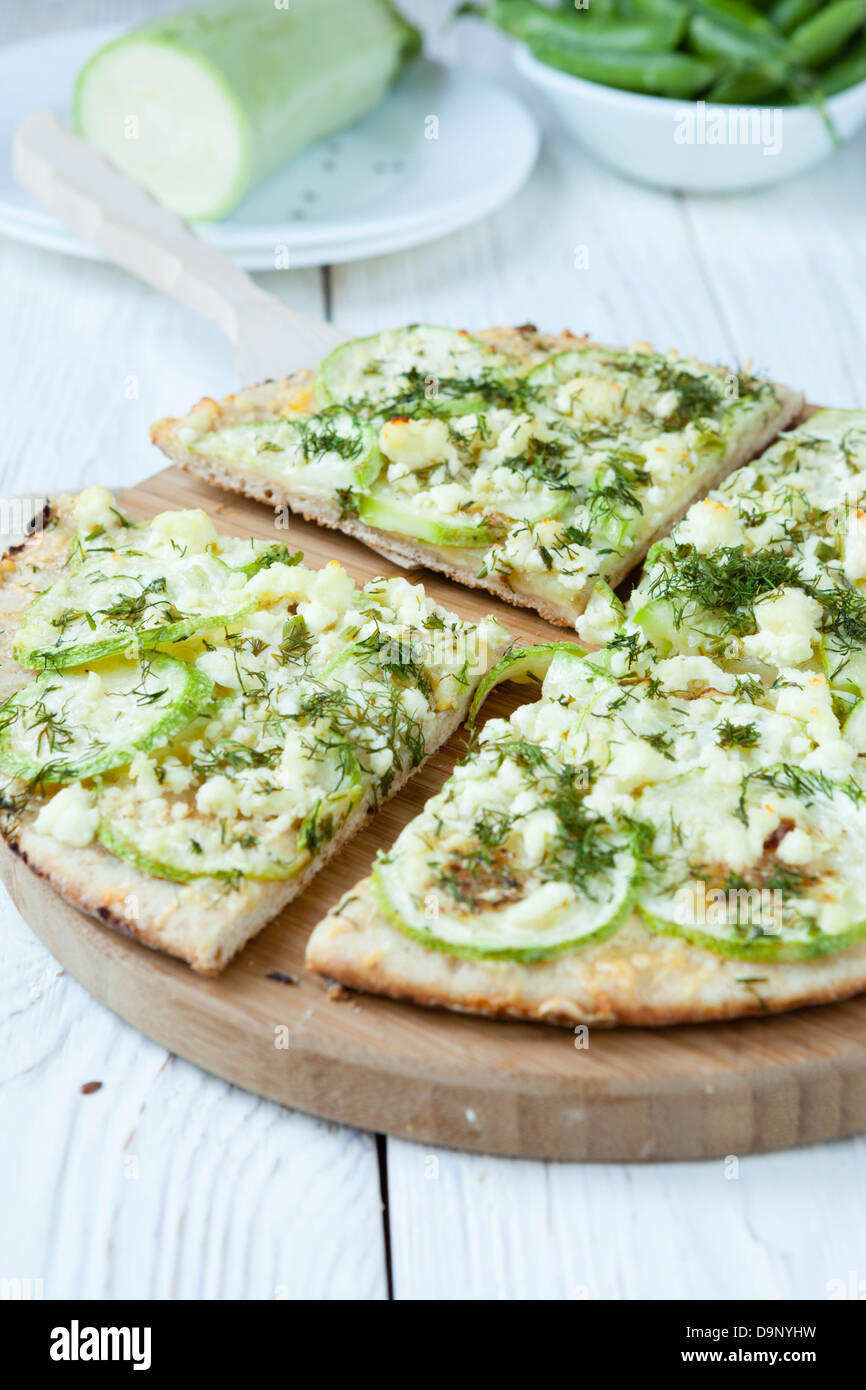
506 1088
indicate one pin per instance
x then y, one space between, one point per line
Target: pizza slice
206 720
540 468
769 571
655 840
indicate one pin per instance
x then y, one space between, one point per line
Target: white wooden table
167 1183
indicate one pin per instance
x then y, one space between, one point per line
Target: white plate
55 237
380 185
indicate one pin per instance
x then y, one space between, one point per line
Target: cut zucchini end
401 521
202 175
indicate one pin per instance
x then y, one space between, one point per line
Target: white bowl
695 146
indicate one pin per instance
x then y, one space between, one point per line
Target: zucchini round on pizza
210 719
653 840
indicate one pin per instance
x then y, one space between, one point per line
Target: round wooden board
506 1088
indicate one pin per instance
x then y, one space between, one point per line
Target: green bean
758 86
734 14
712 38
823 36
787 14
656 74
607 9
660 7
846 71
599 9
534 23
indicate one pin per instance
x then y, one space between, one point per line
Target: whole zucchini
202 105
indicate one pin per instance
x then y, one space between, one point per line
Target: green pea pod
758 86
721 40
582 32
734 14
660 7
655 74
787 14
826 33
847 72
601 9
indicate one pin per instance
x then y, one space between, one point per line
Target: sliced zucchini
775 910
526 666
565 366
471 530
127 601
65 726
837 426
845 667
657 622
228 845
450 371
642 380
548 920
854 729
748 941
481 526
277 554
327 451
198 848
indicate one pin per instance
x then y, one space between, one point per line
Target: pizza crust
25 570
634 979
525 345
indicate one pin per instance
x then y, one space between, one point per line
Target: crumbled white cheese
601 617
280 581
591 396
93 508
416 444
218 796
683 672
787 628
191 531
855 546
797 847
69 816
709 525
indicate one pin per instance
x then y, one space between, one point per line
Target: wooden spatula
130 228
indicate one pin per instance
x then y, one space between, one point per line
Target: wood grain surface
268 1026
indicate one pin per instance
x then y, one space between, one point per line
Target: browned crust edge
404 973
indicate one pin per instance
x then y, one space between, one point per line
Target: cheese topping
245 752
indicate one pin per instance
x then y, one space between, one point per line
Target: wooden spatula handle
116 215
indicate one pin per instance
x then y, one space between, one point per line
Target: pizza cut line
196 723
540 468
674 830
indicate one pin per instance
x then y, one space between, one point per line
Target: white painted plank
95 358
786 269
787 1226
164 1183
